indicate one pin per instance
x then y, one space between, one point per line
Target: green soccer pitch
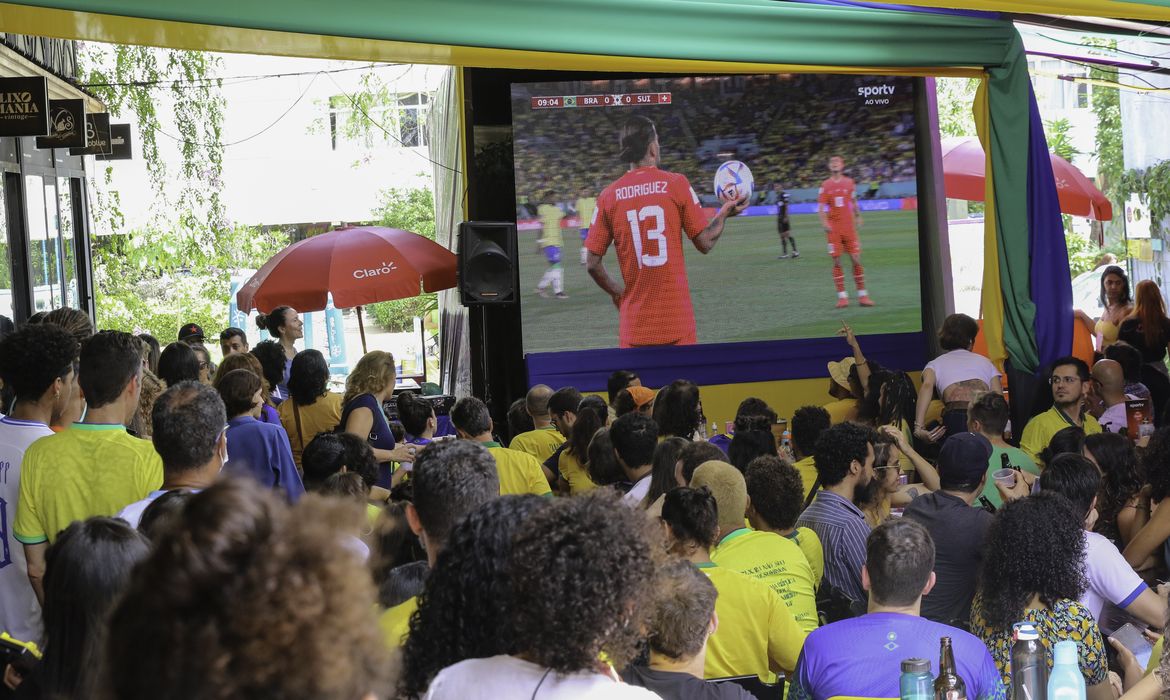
740 290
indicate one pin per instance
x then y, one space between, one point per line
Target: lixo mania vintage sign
24 106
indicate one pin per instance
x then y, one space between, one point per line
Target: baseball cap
191 330
963 459
641 395
839 371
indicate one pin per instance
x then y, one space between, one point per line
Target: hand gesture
847 333
930 435
895 434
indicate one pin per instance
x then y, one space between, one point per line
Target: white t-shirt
959 366
1110 577
133 512
1113 418
20 613
509 677
635 495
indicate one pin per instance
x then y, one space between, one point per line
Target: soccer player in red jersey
841 217
644 214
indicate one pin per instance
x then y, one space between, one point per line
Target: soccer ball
733 181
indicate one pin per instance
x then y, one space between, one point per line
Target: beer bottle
948 685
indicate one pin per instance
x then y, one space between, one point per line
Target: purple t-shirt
877 643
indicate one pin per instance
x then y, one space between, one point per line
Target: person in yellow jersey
519 472
1070 389
577 420
544 439
808 422
93 467
551 244
764 556
586 204
843 407
450 479
757 633
774 503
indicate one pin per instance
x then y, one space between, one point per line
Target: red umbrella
963 176
356 265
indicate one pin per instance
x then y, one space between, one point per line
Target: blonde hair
371 375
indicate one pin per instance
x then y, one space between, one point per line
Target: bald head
1109 381
727 485
536 402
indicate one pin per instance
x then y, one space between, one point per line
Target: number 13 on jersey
637 220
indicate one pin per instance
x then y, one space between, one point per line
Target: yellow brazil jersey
757 634
585 207
1039 431
395 622
86 470
540 443
808 473
777 562
573 472
842 410
810 544
519 471
550 221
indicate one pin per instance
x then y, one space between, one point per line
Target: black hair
471 416
451 479
617 381
695 454
746 445
602 464
185 422
1070 440
1122 477
273 320
676 409
896 399
1035 546
991 410
584 569
624 403
414 413
1155 459
1126 295
754 413
1075 478
109 361
403 583
162 513
838 447
519 421
155 351
564 400
1069 360
899 555
308 377
958 331
34 357
465 610
392 542
684 601
238 388
634 437
272 358
232 332
635 137
327 453
775 491
808 422
1130 359
693 515
177 363
87 568
591 416
662 474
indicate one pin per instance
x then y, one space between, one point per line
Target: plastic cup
1007 477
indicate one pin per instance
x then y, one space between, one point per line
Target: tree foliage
411 210
956 97
1060 142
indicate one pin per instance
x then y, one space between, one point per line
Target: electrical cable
200 82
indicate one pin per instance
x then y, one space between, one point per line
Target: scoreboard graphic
622 100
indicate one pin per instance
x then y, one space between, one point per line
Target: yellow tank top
1107 331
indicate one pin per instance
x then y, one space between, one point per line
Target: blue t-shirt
261 451
862 657
380 436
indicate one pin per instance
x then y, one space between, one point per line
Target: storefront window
6 305
68 251
44 241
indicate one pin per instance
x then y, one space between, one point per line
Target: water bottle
1065 682
916 682
786 444
1029 663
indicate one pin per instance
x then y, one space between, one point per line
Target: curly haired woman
1122 478
248 598
582 569
1033 571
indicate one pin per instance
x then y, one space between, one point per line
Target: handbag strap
297 417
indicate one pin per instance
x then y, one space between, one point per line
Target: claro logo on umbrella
387 268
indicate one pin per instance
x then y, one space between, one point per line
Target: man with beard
958 530
1070 387
844 462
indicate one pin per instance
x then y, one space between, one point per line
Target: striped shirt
842 530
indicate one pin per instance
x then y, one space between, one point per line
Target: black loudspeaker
488 266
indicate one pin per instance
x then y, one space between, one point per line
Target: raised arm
1149 538
859 360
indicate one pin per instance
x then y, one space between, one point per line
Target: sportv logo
872 91
386 269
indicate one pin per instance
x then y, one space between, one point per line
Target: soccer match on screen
676 211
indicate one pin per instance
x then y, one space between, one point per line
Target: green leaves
411 210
